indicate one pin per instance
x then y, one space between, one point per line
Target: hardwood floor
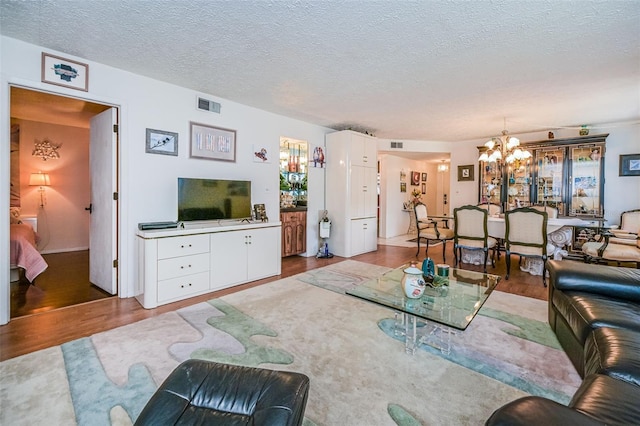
46 329
64 283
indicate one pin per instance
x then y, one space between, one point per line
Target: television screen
212 199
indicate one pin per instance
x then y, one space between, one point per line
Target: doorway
61 211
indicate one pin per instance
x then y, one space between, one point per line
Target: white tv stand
176 264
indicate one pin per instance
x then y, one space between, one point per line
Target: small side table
412 222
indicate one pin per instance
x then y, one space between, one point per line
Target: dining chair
494 210
470 232
552 212
526 235
431 229
618 245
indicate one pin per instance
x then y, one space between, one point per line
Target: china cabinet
567 174
293 172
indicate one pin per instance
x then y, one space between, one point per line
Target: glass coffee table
439 313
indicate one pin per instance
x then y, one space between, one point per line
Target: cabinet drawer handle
182 285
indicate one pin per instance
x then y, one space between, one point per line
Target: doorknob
90 208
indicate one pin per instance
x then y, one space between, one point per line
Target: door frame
5 130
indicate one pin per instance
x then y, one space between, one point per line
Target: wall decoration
415 178
260 154
403 186
318 157
465 173
424 177
403 175
46 149
630 165
424 188
213 143
161 142
65 72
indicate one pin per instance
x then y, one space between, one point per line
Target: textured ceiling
424 70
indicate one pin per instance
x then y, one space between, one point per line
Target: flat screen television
213 199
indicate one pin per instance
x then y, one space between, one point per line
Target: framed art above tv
213 143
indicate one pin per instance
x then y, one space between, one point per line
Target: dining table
559 236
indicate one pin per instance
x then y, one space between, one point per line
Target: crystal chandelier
505 146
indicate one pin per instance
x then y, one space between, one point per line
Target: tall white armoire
352 192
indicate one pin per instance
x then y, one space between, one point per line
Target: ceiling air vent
397 145
207 105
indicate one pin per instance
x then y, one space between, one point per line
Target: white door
103 228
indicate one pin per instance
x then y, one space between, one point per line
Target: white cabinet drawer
182 287
184 265
182 246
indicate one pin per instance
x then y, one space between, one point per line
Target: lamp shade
39 179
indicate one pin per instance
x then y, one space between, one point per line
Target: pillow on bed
14 215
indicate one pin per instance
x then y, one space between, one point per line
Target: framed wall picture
415 178
465 173
260 154
403 186
161 142
65 72
213 143
424 177
423 187
630 165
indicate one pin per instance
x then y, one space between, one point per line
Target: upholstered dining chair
493 209
618 245
526 235
431 229
470 232
552 212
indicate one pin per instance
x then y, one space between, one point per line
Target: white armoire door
103 228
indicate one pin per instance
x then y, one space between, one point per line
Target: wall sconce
40 179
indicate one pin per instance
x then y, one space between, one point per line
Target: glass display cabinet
293 172
519 184
550 170
567 174
490 183
585 181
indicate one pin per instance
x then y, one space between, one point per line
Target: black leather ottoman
204 392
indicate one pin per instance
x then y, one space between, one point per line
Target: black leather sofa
594 311
209 393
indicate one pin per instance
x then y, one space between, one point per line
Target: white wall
148 182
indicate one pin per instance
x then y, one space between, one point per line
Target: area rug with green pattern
359 372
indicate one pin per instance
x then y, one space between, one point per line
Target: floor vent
207 105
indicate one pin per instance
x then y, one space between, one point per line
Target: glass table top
454 305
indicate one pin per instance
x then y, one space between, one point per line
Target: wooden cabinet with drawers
177 264
294 232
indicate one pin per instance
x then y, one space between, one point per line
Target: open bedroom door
103 241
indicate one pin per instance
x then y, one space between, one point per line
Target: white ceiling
422 70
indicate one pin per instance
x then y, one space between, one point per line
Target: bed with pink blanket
23 251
